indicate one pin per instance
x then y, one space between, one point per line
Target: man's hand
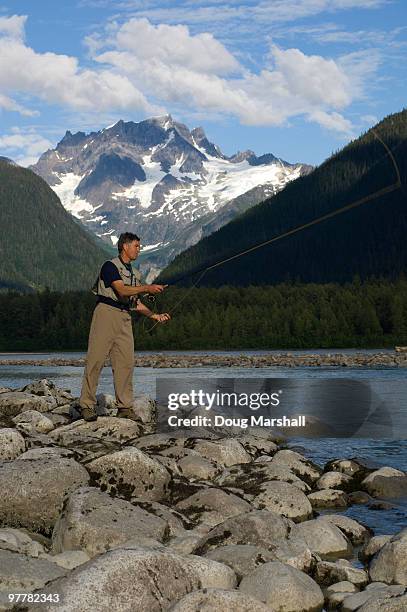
161 318
153 289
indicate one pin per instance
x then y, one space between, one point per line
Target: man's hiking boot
89 414
126 413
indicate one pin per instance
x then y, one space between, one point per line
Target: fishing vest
130 278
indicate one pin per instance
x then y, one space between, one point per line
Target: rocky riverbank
162 360
111 516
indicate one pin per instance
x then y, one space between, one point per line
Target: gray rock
285 499
48 389
385 482
255 446
32 490
218 600
106 434
126 579
328 498
156 443
258 527
296 553
334 480
324 539
327 573
24 572
301 466
94 522
338 592
356 532
283 587
377 598
373 546
185 544
198 468
107 402
390 563
18 541
395 604
242 558
345 466
14 402
69 559
130 473
145 409
33 421
225 452
252 477
12 444
212 506
176 521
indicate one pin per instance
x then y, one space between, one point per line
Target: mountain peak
164 121
198 133
242 155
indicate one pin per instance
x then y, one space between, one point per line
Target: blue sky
297 78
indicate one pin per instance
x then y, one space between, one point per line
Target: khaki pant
111 335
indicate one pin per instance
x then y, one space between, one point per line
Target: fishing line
330 215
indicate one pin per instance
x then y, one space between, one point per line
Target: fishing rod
330 215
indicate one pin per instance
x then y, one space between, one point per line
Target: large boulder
242 558
356 532
96 437
302 467
327 573
258 527
14 402
324 539
130 473
334 480
218 600
253 476
19 541
373 546
284 588
386 482
129 579
285 499
32 490
212 506
257 446
226 452
328 498
12 444
390 563
378 597
94 522
195 467
24 573
46 388
31 421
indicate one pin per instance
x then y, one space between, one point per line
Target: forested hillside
40 243
369 240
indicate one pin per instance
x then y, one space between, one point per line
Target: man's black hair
125 238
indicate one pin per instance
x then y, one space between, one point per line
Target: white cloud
13 27
8 104
58 79
24 145
150 68
175 67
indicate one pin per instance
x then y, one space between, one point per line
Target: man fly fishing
117 288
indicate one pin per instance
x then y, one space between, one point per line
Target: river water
390 383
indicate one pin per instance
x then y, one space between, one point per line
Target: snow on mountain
168 184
